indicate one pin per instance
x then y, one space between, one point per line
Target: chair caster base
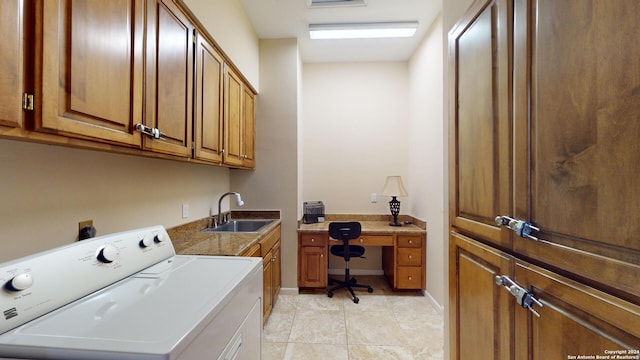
330 294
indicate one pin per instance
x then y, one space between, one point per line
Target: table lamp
393 187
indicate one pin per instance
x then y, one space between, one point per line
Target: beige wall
355 135
355 130
46 190
274 183
227 22
426 154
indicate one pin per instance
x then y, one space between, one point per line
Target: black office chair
346 231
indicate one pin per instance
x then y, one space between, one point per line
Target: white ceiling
274 19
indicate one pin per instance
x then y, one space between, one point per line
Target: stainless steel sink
240 226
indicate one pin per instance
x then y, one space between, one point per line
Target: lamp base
394 205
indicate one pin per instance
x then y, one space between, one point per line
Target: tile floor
384 325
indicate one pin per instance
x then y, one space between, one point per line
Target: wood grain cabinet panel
272 276
239 121
209 106
169 78
91 70
592 322
313 260
480 148
571 154
13 30
576 121
481 314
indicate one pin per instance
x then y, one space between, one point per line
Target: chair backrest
345 230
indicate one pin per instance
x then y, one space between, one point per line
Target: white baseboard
289 291
433 302
356 272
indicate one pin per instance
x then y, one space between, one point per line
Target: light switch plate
185 211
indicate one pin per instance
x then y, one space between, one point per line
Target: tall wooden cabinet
544 125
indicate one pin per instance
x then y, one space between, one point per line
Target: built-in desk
403 252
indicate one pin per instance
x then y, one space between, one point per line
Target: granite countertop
378 224
188 239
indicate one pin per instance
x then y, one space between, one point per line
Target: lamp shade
393 187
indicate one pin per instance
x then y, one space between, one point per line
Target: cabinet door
577 124
313 259
267 286
481 313
208 110
12 74
169 78
248 129
480 149
277 271
91 69
574 320
232 118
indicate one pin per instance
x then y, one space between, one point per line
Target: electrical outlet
185 211
82 224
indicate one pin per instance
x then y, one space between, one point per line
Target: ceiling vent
335 3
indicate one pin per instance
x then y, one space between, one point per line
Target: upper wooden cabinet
169 78
107 71
91 67
239 122
249 129
12 74
208 110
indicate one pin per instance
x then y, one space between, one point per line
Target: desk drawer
374 240
314 239
410 241
409 277
409 256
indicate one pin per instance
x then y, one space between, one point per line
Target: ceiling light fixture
363 30
335 3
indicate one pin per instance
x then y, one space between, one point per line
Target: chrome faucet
239 202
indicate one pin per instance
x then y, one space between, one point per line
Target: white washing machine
128 296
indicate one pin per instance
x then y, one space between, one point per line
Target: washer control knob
158 238
108 254
20 282
145 241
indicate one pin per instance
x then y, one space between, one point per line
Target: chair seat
354 250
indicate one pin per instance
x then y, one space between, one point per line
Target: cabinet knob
321 255
410 257
361 240
410 241
410 277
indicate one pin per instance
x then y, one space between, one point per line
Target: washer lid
152 312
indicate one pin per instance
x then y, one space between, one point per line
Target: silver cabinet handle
521 227
525 298
152 132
